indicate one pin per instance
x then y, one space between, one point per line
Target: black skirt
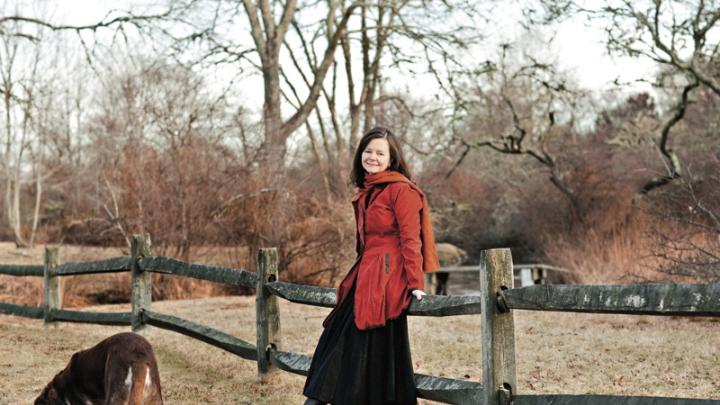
358 367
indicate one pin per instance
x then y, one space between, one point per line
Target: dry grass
619 259
622 255
556 353
633 251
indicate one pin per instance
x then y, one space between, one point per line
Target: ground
555 352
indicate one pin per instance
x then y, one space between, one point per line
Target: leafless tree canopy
232 124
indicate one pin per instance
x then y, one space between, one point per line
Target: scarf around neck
431 262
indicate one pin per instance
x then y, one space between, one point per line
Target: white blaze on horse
119 370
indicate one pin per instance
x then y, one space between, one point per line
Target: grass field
555 352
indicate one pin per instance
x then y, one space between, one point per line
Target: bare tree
678 36
393 38
269 23
28 98
515 111
158 150
20 83
688 235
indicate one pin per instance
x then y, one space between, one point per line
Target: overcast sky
579 47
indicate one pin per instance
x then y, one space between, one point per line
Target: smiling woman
376 156
379 150
363 356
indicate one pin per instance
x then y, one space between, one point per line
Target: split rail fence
495 305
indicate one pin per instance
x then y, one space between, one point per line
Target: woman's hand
419 294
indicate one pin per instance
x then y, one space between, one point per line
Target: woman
363 356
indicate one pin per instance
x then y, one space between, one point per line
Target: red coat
390 262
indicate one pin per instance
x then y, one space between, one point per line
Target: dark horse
119 370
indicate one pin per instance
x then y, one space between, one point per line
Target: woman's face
376 156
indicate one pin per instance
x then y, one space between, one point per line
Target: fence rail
431 305
101 318
606 400
225 275
516 268
498 298
114 265
22 270
22 310
204 333
525 274
440 389
639 299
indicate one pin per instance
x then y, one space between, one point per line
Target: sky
581 50
579 47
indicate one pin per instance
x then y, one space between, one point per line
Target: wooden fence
524 275
497 297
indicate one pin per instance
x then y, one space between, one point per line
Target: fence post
526 277
141 280
267 312
430 283
498 330
53 294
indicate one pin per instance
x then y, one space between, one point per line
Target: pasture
556 352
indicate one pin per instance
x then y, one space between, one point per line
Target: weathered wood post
51 283
267 312
141 280
498 329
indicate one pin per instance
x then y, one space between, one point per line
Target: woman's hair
397 161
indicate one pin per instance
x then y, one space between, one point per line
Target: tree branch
301 114
255 29
671 159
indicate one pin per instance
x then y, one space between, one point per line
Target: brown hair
397 161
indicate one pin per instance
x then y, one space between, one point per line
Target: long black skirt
354 367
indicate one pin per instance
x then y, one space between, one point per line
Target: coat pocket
387 263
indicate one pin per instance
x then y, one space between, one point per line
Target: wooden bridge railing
525 274
497 297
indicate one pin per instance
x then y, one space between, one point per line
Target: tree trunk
273 159
36 212
16 224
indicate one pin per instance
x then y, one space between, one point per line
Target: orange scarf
431 262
